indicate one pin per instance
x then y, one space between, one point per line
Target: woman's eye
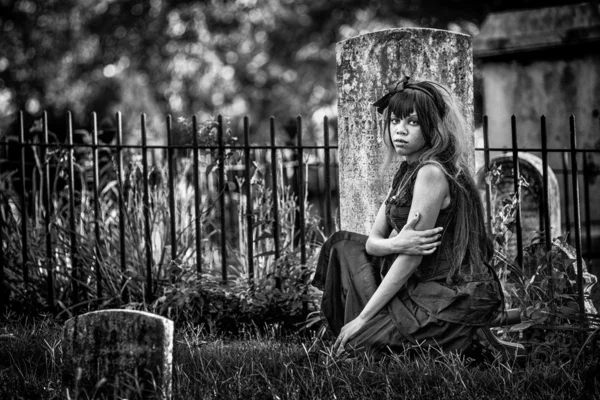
413 122
394 121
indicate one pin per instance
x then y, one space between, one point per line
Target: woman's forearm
383 246
396 277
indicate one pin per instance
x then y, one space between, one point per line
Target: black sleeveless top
463 297
436 265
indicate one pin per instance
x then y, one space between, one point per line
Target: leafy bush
279 288
553 326
231 308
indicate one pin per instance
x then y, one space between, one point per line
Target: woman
381 293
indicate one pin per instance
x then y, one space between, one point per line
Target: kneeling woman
380 294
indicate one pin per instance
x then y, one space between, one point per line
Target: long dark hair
449 146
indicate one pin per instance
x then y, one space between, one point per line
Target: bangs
402 104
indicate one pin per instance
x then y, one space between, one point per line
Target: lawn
269 365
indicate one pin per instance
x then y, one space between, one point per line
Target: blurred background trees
234 57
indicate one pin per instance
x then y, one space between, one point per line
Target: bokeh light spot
32 106
109 70
217 98
3 64
227 72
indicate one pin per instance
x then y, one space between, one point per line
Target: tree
255 57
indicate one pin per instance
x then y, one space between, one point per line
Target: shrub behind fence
98 221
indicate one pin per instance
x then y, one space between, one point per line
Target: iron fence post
327 166
75 276
223 189
171 187
488 187
47 213
4 289
146 209
577 218
96 193
122 210
249 213
24 211
565 168
517 188
197 197
545 194
274 190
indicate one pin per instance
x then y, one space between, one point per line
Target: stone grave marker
366 66
530 167
117 354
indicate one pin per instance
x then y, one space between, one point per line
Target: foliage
279 288
232 309
207 133
278 293
543 288
258 58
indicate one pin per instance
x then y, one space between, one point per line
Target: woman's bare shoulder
432 173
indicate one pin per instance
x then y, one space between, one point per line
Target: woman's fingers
430 232
340 343
428 248
337 343
342 347
425 240
430 239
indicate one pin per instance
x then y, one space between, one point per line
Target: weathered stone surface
366 65
538 29
118 354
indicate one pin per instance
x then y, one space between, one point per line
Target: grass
270 366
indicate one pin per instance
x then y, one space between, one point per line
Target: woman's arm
407 241
430 192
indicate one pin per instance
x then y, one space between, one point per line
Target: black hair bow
398 87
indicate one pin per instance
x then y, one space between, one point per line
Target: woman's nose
401 128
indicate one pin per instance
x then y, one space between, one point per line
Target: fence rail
568 196
219 191
224 208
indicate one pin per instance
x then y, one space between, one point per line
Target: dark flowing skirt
349 277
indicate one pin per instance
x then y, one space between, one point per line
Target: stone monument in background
366 66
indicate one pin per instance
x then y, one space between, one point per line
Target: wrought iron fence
571 223
47 175
48 178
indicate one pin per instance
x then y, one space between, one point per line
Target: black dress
431 309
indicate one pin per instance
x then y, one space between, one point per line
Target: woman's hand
347 332
417 243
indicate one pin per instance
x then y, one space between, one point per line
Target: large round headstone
532 196
366 66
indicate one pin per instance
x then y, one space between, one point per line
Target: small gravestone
116 354
531 169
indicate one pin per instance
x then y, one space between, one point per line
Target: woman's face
407 137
